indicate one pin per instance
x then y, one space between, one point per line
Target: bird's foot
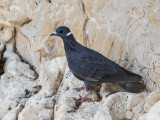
81 88
81 99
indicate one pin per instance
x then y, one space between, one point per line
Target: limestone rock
17 12
38 107
13 114
151 99
16 85
134 100
110 105
6 34
14 66
51 74
154 112
120 106
6 105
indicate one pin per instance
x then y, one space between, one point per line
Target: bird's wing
95 67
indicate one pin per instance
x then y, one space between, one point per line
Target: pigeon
93 68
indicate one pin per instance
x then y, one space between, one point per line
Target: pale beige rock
151 99
135 99
153 113
16 85
6 34
13 114
129 115
142 117
17 12
6 105
103 115
14 67
51 74
17 81
109 106
116 107
38 108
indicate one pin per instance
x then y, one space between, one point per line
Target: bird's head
62 32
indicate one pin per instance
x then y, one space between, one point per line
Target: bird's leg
82 99
81 88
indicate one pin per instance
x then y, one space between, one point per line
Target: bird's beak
54 34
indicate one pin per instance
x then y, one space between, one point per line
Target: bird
93 68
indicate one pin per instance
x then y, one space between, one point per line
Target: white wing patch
68 33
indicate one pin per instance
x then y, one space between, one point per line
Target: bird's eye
61 31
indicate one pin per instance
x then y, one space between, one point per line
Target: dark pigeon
93 68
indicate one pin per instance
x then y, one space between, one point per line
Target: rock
17 12
13 114
151 99
13 66
120 106
129 115
51 74
102 115
6 34
142 117
153 113
135 99
6 106
16 86
38 107
114 107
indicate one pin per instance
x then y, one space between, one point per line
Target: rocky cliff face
37 84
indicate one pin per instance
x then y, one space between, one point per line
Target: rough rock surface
36 82
38 108
17 84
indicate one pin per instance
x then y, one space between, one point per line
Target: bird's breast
73 64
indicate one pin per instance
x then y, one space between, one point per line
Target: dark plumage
92 67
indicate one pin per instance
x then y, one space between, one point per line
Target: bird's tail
133 87
133 74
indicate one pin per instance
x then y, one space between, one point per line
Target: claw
81 99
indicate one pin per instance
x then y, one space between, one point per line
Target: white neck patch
69 33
